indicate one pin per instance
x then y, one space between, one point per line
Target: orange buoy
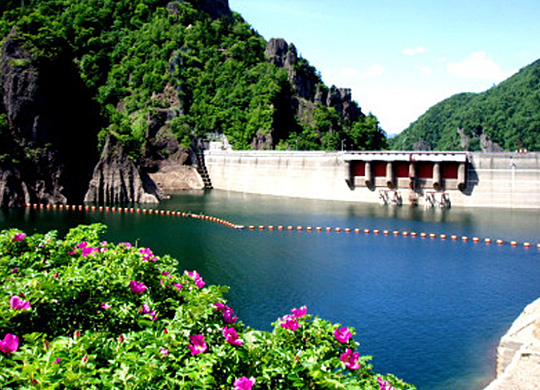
299 228
432 235
261 227
338 229
280 227
465 238
270 227
413 234
405 234
475 239
328 229
454 237
513 243
443 236
309 228
385 232
527 244
396 233
500 242
538 246
487 240
347 230
318 228
376 231
251 227
366 231
357 230
289 228
423 235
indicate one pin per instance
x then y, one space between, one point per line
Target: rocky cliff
309 89
49 128
518 354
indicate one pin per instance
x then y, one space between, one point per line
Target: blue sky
400 57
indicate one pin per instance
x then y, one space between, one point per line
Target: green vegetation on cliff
505 117
201 64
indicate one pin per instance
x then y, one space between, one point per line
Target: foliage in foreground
80 313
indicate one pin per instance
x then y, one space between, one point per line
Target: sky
400 57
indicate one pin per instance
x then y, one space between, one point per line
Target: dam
431 179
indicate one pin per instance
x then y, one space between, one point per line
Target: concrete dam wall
438 179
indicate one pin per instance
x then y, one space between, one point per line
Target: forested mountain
505 117
151 79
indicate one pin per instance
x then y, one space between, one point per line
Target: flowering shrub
81 313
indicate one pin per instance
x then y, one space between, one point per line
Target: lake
430 311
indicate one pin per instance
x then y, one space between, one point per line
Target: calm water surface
430 311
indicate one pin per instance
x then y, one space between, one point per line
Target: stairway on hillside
201 168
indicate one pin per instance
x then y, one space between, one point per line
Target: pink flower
178 286
105 306
289 322
19 237
147 254
164 352
244 383
384 385
231 336
88 251
146 310
81 245
342 335
350 359
197 345
9 344
228 317
199 282
299 313
137 287
227 312
17 303
126 244
121 338
57 361
84 359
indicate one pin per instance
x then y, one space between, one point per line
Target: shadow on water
431 311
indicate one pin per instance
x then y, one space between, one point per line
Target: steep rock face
117 179
302 77
51 125
341 100
307 83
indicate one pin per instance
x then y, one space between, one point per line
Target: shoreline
518 353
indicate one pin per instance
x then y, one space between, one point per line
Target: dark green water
431 311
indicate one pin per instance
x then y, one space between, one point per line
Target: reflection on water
430 311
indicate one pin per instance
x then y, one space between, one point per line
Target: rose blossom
342 335
244 383
9 344
231 336
350 359
198 345
137 287
17 303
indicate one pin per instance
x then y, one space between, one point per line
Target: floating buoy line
318 229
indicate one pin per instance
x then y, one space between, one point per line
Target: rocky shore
518 353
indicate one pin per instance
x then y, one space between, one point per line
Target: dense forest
505 117
196 60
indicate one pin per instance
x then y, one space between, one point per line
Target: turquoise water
431 311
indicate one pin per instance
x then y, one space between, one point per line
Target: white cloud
425 69
349 73
416 50
373 71
477 66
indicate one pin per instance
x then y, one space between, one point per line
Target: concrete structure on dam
434 179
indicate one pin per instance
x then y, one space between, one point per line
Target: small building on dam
431 179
